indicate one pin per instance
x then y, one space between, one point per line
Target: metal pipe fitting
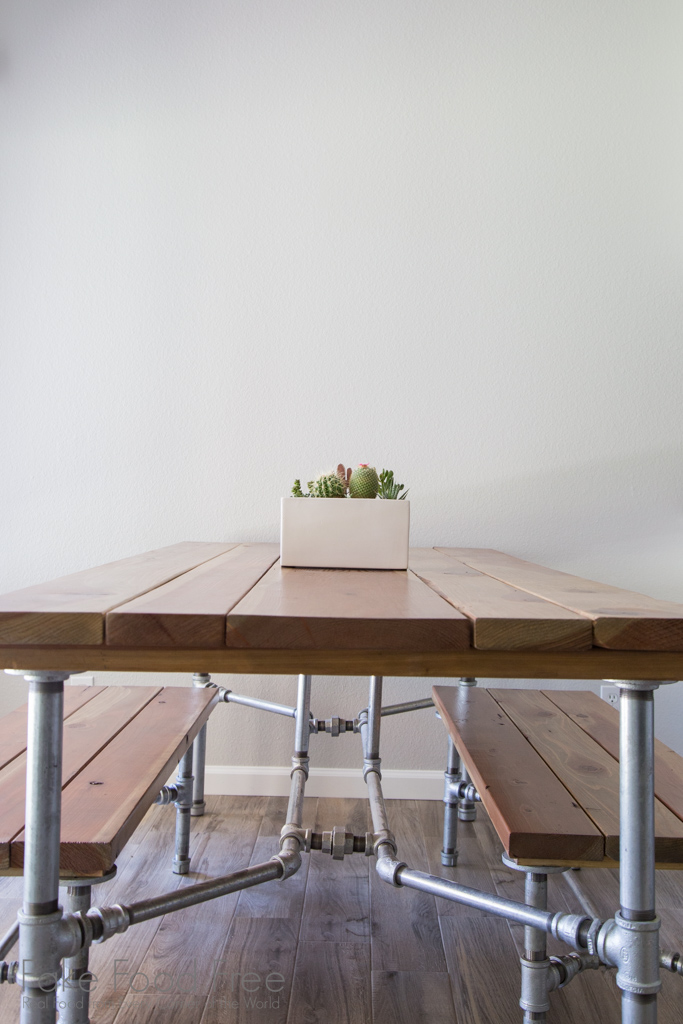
671 961
410 705
463 790
168 795
8 972
73 993
564 968
633 948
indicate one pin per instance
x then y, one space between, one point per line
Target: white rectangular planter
345 533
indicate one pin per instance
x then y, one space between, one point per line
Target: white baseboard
397 784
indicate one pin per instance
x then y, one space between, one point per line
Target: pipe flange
534 869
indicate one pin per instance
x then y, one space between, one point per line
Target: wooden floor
333 944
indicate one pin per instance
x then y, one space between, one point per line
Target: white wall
243 241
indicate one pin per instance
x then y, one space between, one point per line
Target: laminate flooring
333 944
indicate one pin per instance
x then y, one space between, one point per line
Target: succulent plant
388 488
297 492
327 485
364 482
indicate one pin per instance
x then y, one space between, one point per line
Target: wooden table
458 612
231 608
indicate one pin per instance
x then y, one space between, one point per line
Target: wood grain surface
87 730
593 664
103 804
531 810
71 609
190 610
14 724
601 723
622 619
503 617
587 771
345 609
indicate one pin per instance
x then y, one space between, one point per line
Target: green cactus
387 487
364 482
297 492
328 485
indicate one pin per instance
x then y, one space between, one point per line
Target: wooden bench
120 746
546 766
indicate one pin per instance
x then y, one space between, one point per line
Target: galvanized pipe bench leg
467 809
73 994
638 924
535 962
449 853
40 916
181 860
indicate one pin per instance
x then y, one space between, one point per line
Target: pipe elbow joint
388 870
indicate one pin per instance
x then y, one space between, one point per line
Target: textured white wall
243 241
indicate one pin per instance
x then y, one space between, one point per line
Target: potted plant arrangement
369 529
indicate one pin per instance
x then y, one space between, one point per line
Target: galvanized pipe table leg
40 916
638 924
73 994
201 680
449 853
181 860
535 962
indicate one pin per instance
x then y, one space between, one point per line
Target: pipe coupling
108 921
633 948
534 998
168 794
224 694
570 928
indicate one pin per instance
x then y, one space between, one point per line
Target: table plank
589 773
86 731
601 722
504 767
622 619
503 617
347 609
13 726
190 611
98 819
71 609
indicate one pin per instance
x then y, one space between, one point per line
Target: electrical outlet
610 694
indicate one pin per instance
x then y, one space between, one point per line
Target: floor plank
331 984
412 997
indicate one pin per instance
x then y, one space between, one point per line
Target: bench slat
86 731
318 609
190 611
589 773
601 723
98 819
13 726
622 620
71 609
531 810
503 617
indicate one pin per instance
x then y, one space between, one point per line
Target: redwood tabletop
231 607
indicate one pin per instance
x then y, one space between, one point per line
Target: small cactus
364 482
328 485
